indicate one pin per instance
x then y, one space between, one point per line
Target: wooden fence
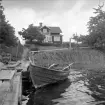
15 52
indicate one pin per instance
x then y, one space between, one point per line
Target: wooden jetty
10 87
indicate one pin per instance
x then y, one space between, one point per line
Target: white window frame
56 38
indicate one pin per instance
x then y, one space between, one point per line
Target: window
56 38
44 30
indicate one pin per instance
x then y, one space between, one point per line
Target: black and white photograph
52 52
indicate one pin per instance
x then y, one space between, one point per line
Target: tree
32 33
7 32
96 28
76 37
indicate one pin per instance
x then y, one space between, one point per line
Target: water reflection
44 96
82 88
97 85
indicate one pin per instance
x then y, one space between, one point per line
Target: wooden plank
6 74
48 50
4 88
14 65
12 97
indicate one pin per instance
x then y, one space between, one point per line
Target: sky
70 15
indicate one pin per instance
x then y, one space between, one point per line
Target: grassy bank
82 58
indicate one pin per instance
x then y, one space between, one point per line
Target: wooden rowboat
42 76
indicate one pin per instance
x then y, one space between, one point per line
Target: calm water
82 88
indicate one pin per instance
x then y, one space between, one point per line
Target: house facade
52 34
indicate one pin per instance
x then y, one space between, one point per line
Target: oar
53 65
68 67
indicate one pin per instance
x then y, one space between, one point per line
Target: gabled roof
55 30
45 27
52 29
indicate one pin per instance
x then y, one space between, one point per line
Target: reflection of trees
96 80
96 83
44 96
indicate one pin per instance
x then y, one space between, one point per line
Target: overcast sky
70 15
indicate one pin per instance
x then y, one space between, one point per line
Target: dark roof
45 27
55 30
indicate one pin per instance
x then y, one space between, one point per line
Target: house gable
45 30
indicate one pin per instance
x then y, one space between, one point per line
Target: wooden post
70 43
17 50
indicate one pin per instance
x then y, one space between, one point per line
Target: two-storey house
52 34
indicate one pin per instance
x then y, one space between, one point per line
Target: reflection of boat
42 76
50 94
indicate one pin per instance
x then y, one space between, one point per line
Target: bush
34 49
42 44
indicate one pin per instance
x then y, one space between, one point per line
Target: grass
82 58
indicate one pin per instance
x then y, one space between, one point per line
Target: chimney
40 24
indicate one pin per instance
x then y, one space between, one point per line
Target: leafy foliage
76 38
96 28
7 32
32 33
